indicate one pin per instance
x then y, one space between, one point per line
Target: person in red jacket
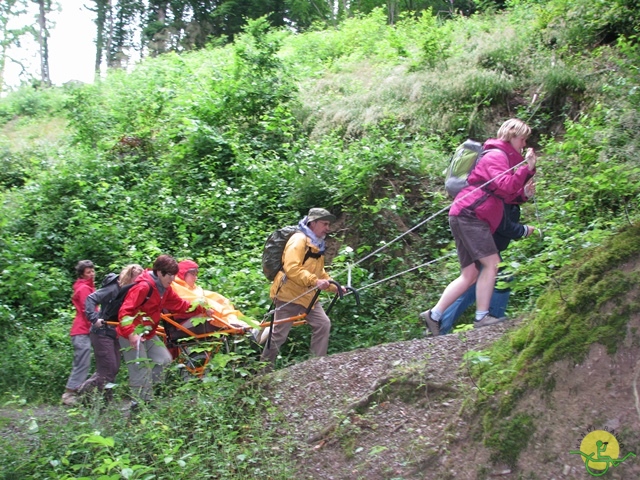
82 288
145 354
499 177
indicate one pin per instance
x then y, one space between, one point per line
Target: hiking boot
488 320
431 324
69 398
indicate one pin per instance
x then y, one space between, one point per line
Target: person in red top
144 353
498 178
82 288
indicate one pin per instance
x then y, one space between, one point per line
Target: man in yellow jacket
294 286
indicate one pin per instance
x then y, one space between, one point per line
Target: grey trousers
146 365
106 351
317 320
81 361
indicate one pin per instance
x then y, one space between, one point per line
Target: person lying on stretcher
225 315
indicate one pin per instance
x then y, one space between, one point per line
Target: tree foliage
203 154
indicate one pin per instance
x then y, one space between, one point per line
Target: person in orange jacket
139 317
225 315
294 286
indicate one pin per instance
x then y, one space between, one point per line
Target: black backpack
273 249
109 279
110 311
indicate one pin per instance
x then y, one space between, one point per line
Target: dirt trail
395 411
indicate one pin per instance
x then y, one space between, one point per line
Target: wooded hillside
202 154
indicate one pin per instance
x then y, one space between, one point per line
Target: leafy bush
577 24
31 102
203 155
195 429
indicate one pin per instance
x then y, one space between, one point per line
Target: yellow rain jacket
296 278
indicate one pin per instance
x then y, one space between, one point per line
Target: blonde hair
513 128
129 274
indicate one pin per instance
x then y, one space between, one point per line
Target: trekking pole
138 351
272 312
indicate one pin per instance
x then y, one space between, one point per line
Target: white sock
436 315
480 314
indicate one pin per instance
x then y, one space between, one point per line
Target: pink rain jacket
487 203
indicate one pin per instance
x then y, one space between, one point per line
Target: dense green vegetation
202 155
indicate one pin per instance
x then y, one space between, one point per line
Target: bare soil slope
404 411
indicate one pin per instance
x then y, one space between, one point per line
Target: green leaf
100 440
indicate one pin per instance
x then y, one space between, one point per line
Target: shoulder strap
487 192
482 154
311 254
308 253
148 295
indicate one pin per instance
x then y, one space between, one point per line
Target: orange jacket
297 277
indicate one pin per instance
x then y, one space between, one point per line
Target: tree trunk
9 37
392 11
103 12
158 14
44 7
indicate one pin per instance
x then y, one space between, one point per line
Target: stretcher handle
317 294
341 295
355 293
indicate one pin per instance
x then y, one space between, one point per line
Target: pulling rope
456 200
406 271
439 212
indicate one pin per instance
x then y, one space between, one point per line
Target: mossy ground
591 302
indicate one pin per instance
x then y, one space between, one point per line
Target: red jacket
82 288
148 312
508 187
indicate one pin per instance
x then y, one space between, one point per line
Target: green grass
198 429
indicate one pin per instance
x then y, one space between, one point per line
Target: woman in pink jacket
499 176
82 288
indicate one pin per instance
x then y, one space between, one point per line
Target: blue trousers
499 301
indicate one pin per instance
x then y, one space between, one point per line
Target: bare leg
468 277
486 281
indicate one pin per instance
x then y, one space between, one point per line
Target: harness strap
485 188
